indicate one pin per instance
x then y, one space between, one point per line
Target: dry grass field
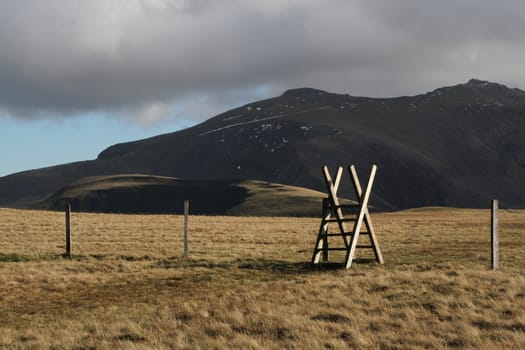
247 284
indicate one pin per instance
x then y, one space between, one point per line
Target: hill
145 194
455 146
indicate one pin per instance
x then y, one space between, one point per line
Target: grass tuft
332 318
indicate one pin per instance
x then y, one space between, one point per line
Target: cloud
154 59
150 114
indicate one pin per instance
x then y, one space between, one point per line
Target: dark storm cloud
140 56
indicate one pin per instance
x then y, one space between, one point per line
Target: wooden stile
334 214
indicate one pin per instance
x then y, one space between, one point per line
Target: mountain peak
483 84
480 89
479 83
305 91
476 84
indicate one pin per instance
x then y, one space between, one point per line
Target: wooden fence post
68 230
494 239
186 212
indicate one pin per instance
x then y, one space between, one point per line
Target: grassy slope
271 199
135 193
247 284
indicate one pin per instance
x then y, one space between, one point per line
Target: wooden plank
343 220
368 220
349 205
494 239
363 210
338 177
323 231
338 248
373 240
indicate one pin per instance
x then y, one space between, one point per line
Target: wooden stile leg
321 244
367 219
362 210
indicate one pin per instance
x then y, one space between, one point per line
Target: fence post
186 211
494 239
68 230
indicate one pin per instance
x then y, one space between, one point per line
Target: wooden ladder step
337 248
342 248
339 220
336 234
357 205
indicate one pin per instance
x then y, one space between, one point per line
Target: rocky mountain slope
455 146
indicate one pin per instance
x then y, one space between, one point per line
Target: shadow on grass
175 262
270 265
13 257
274 265
325 265
245 264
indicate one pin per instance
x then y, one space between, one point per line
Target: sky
77 76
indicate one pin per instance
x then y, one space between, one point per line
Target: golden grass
248 285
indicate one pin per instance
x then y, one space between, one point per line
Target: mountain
455 146
135 193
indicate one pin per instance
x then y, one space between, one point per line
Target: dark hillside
144 194
454 146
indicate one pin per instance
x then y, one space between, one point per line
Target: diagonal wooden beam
337 180
368 220
363 211
321 244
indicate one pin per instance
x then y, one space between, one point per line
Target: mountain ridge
454 146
